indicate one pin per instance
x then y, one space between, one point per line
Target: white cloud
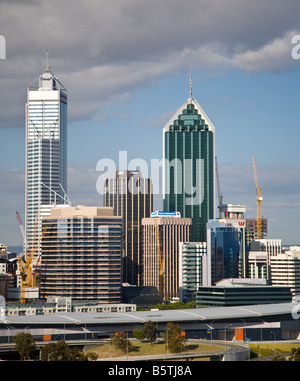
274 56
103 51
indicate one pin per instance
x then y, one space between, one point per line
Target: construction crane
21 226
25 262
220 196
259 199
162 270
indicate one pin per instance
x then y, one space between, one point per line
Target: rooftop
195 314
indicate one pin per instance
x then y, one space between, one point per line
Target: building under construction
251 229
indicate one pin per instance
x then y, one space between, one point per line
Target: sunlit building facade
82 254
46 149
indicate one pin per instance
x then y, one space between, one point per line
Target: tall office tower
82 254
130 195
161 236
46 148
188 166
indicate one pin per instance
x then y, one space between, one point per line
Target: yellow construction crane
26 262
161 265
259 199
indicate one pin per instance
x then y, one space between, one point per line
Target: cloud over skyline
104 51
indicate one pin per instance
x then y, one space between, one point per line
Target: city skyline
125 78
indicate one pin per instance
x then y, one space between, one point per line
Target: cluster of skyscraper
88 252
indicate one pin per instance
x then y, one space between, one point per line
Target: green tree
120 341
174 338
61 351
296 354
150 331
25 345
138 334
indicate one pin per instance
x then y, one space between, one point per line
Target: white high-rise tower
46 149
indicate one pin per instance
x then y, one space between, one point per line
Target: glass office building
46 149
226 248
188 168
130 195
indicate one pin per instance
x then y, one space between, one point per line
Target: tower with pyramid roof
188 166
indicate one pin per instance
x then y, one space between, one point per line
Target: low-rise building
242 291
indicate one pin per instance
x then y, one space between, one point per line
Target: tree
174 338
120 341
138 334
61 351
25 345
150 331
295 354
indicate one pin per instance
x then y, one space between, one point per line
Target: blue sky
129 77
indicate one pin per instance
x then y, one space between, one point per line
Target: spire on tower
47 61
191 84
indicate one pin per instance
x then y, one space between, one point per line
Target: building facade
82 254
46 149
130 195
251 229
242 292
189 166
260 255
194 269
161 237
226 248
285 270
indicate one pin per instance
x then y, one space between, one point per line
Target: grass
107 350
269 349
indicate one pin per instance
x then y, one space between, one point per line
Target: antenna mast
191 84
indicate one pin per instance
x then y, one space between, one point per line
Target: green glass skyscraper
188 168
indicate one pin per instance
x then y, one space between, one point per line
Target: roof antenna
191 84
47 61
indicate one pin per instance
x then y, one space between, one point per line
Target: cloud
104 51
275 56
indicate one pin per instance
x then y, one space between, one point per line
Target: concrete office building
82 254
260 255
130 195
162 234
285 270
258 264
189 166
194 269
46 148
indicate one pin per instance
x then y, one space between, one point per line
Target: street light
274 341
225 330
226 336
